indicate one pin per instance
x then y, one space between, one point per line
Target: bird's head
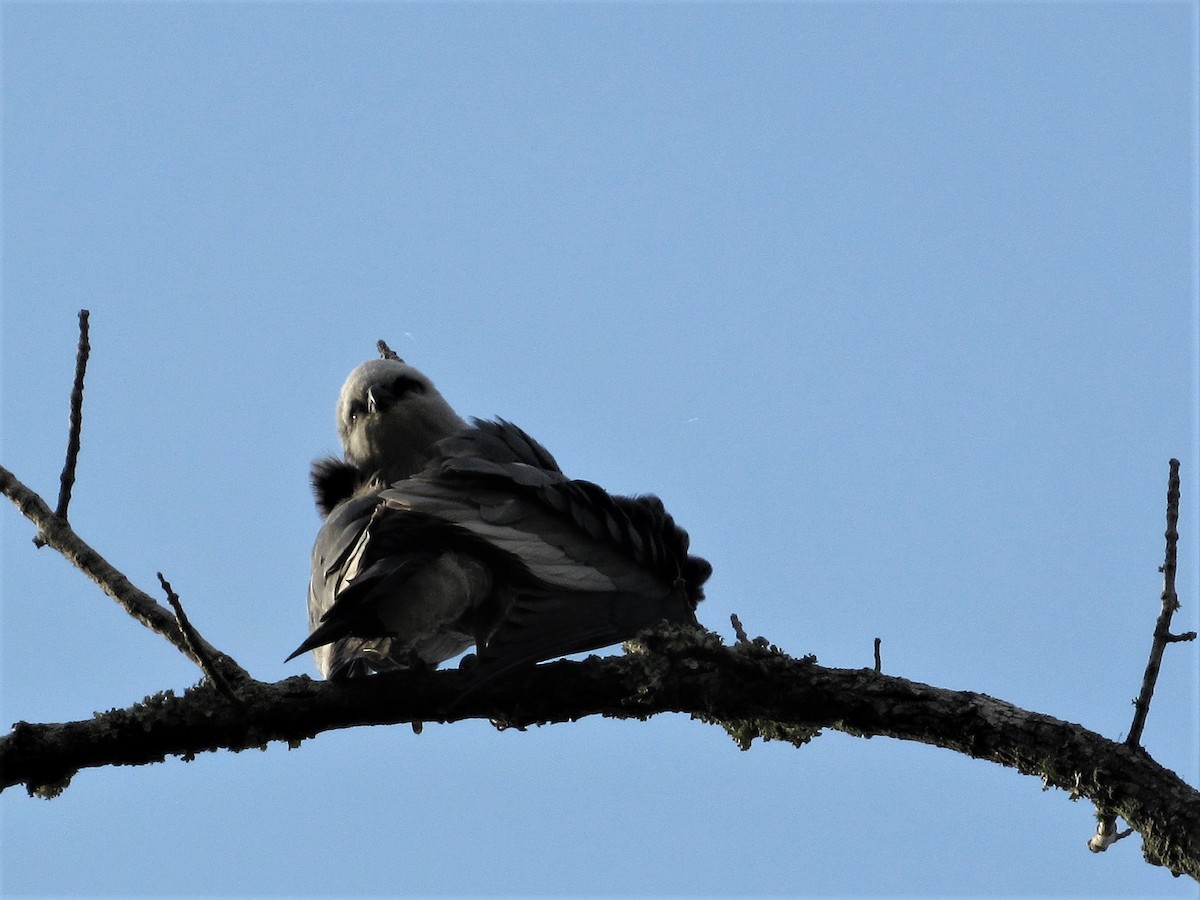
390 416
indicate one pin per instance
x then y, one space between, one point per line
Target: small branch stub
738 630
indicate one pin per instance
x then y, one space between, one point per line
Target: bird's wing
492 543
594 569
388 589
498 442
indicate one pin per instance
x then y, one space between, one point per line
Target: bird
442 534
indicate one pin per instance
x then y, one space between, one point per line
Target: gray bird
440 535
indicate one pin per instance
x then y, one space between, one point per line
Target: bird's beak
380 398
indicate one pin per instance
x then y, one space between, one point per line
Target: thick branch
58 534
750 690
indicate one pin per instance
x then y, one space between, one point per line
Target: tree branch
1170 603
67 479
58 534
1106 830
197 645
751 690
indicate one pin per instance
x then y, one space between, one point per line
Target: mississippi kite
440 535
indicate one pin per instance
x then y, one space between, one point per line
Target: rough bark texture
751 690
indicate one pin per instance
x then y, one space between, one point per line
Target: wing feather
491 542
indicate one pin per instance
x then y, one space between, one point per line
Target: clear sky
893 304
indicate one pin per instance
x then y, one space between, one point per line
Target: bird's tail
544 626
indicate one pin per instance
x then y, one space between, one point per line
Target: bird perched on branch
440 535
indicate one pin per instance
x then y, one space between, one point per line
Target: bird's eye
356 409
406 384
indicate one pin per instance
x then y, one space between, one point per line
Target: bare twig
59 535
387 352
197 644
76 418
878 657
67 479
1106 831
1170 603
53 530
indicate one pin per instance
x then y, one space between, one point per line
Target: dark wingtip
297 652
326 633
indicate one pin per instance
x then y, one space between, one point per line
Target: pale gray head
390 416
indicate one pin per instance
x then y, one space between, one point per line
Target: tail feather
541 627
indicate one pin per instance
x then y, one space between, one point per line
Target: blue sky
895 305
